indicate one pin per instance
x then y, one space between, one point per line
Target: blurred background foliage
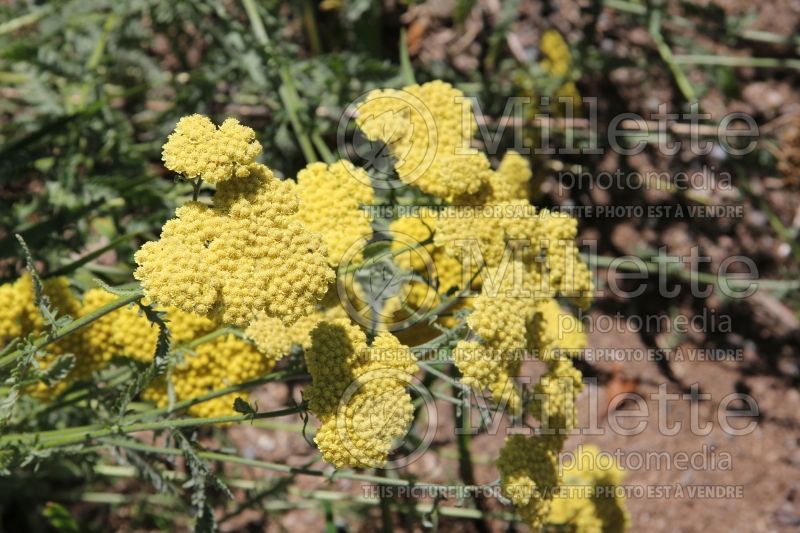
91 88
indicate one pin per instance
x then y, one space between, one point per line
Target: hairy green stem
635 264
275 467
66 437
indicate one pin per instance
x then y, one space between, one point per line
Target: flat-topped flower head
428 129
528 469
197 148
358 392
331 197
590 501
245 255
510 180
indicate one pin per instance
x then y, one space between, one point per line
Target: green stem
24 20
322 148
378 258
635 264
196 188
465 470
654 27
66 437
405 61
186 404
737 61
94 254
290 100
750 35
275 467
287 91
310 22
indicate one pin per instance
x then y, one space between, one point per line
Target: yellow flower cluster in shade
510 181
557 63
528 469
428 129
436 277
499 321
213 365
197 148
274 339
587 500
554 400
510 320
93 346
127 333
358 392
245 255
330 200
19 315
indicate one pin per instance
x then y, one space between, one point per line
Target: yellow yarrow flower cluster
135 336
554 399
554 332
483 235
19 315
528 469
197 148
358 392
510 181
245 255
432 260
331 197
92 346
499 320
274 339
442 272
213 365
557 62
587 501
428 129
542 240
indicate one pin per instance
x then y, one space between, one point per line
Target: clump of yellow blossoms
92 346
528 469
211 366
358 392
524 261
588 500
428 129
19 315
499 320
275 339
510 181
126 333
245 255
554 399
439 276
557 62
331 197
198 148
